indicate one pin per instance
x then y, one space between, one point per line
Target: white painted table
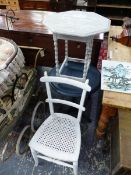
77 26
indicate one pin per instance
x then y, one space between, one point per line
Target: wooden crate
121 145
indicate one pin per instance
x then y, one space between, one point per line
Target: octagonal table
78 26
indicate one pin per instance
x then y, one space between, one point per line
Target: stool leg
34 154
75 168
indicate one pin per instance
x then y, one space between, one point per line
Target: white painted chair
58 139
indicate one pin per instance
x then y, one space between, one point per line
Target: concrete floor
92 160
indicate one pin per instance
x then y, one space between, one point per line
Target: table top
77 23
117 52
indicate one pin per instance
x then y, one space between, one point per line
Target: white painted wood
34 154
88 52
76 60
63 64
68 81
66 103
81 104
58 139
55 161
89 44
49 95
75 168
66 48
76 26
56 54
77 23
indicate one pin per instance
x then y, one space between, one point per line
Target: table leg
107 113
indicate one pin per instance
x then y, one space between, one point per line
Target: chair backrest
53 79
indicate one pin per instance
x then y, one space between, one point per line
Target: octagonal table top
77 23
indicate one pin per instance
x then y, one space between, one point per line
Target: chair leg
75 168
34 154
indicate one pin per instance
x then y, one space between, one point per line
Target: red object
102 53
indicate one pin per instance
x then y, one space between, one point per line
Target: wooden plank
125 137
117 99
117 52
121 144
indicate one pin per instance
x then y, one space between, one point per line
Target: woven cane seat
59 134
